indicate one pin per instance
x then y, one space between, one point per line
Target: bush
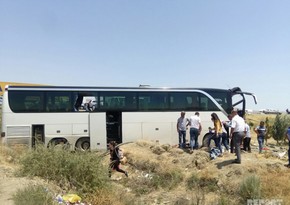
250 188
81 171
279 127
33 195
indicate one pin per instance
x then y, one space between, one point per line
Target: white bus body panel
161 126
98 132
18 135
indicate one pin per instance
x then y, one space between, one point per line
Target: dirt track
10 184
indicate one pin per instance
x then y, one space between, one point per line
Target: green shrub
250 188
33 195
82 171
279 127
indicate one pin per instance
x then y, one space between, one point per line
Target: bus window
85 101
153 101
224 98
207 105
184 101
30 101
58 102
118 101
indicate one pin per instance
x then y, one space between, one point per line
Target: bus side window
78 102
143 103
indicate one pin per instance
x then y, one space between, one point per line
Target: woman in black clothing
115 157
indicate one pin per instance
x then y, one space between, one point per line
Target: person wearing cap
237 133
181 129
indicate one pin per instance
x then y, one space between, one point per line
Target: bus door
37 135
114 126
97 127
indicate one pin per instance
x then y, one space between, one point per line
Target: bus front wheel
206 139
83 144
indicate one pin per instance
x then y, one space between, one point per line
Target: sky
162 43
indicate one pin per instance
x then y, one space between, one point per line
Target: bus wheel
83 144
206 139
58 143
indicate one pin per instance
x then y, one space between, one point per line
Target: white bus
90 117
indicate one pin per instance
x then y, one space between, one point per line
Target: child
115 157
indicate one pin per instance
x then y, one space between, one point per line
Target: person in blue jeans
195 129
288 137
181 125
225 140
261 133
218 131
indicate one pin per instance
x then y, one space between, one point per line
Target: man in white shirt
247 139
181 129
237 133
195 129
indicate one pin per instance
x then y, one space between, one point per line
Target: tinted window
184 101
58 102
153 101
191 101
118 101
26 101
224 98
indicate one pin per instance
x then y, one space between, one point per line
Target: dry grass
191 178
276 186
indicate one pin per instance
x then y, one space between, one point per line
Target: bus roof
100 88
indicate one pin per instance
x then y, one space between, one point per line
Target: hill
218 179
164 174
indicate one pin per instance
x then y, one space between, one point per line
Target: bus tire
83 144
56 141
206 139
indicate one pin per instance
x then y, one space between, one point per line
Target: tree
280 125
269 130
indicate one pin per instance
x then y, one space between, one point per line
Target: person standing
261 133
288 137
247 139
237 133
115 158
218 131
195 129
181 129
227 126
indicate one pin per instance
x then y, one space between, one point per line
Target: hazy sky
172 43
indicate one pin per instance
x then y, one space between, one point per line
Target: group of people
195 128
236 130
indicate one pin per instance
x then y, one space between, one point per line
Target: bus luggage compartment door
98 132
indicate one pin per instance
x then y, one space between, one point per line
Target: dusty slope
221 171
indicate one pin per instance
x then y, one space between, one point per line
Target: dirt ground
227 174
222 169
10 184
